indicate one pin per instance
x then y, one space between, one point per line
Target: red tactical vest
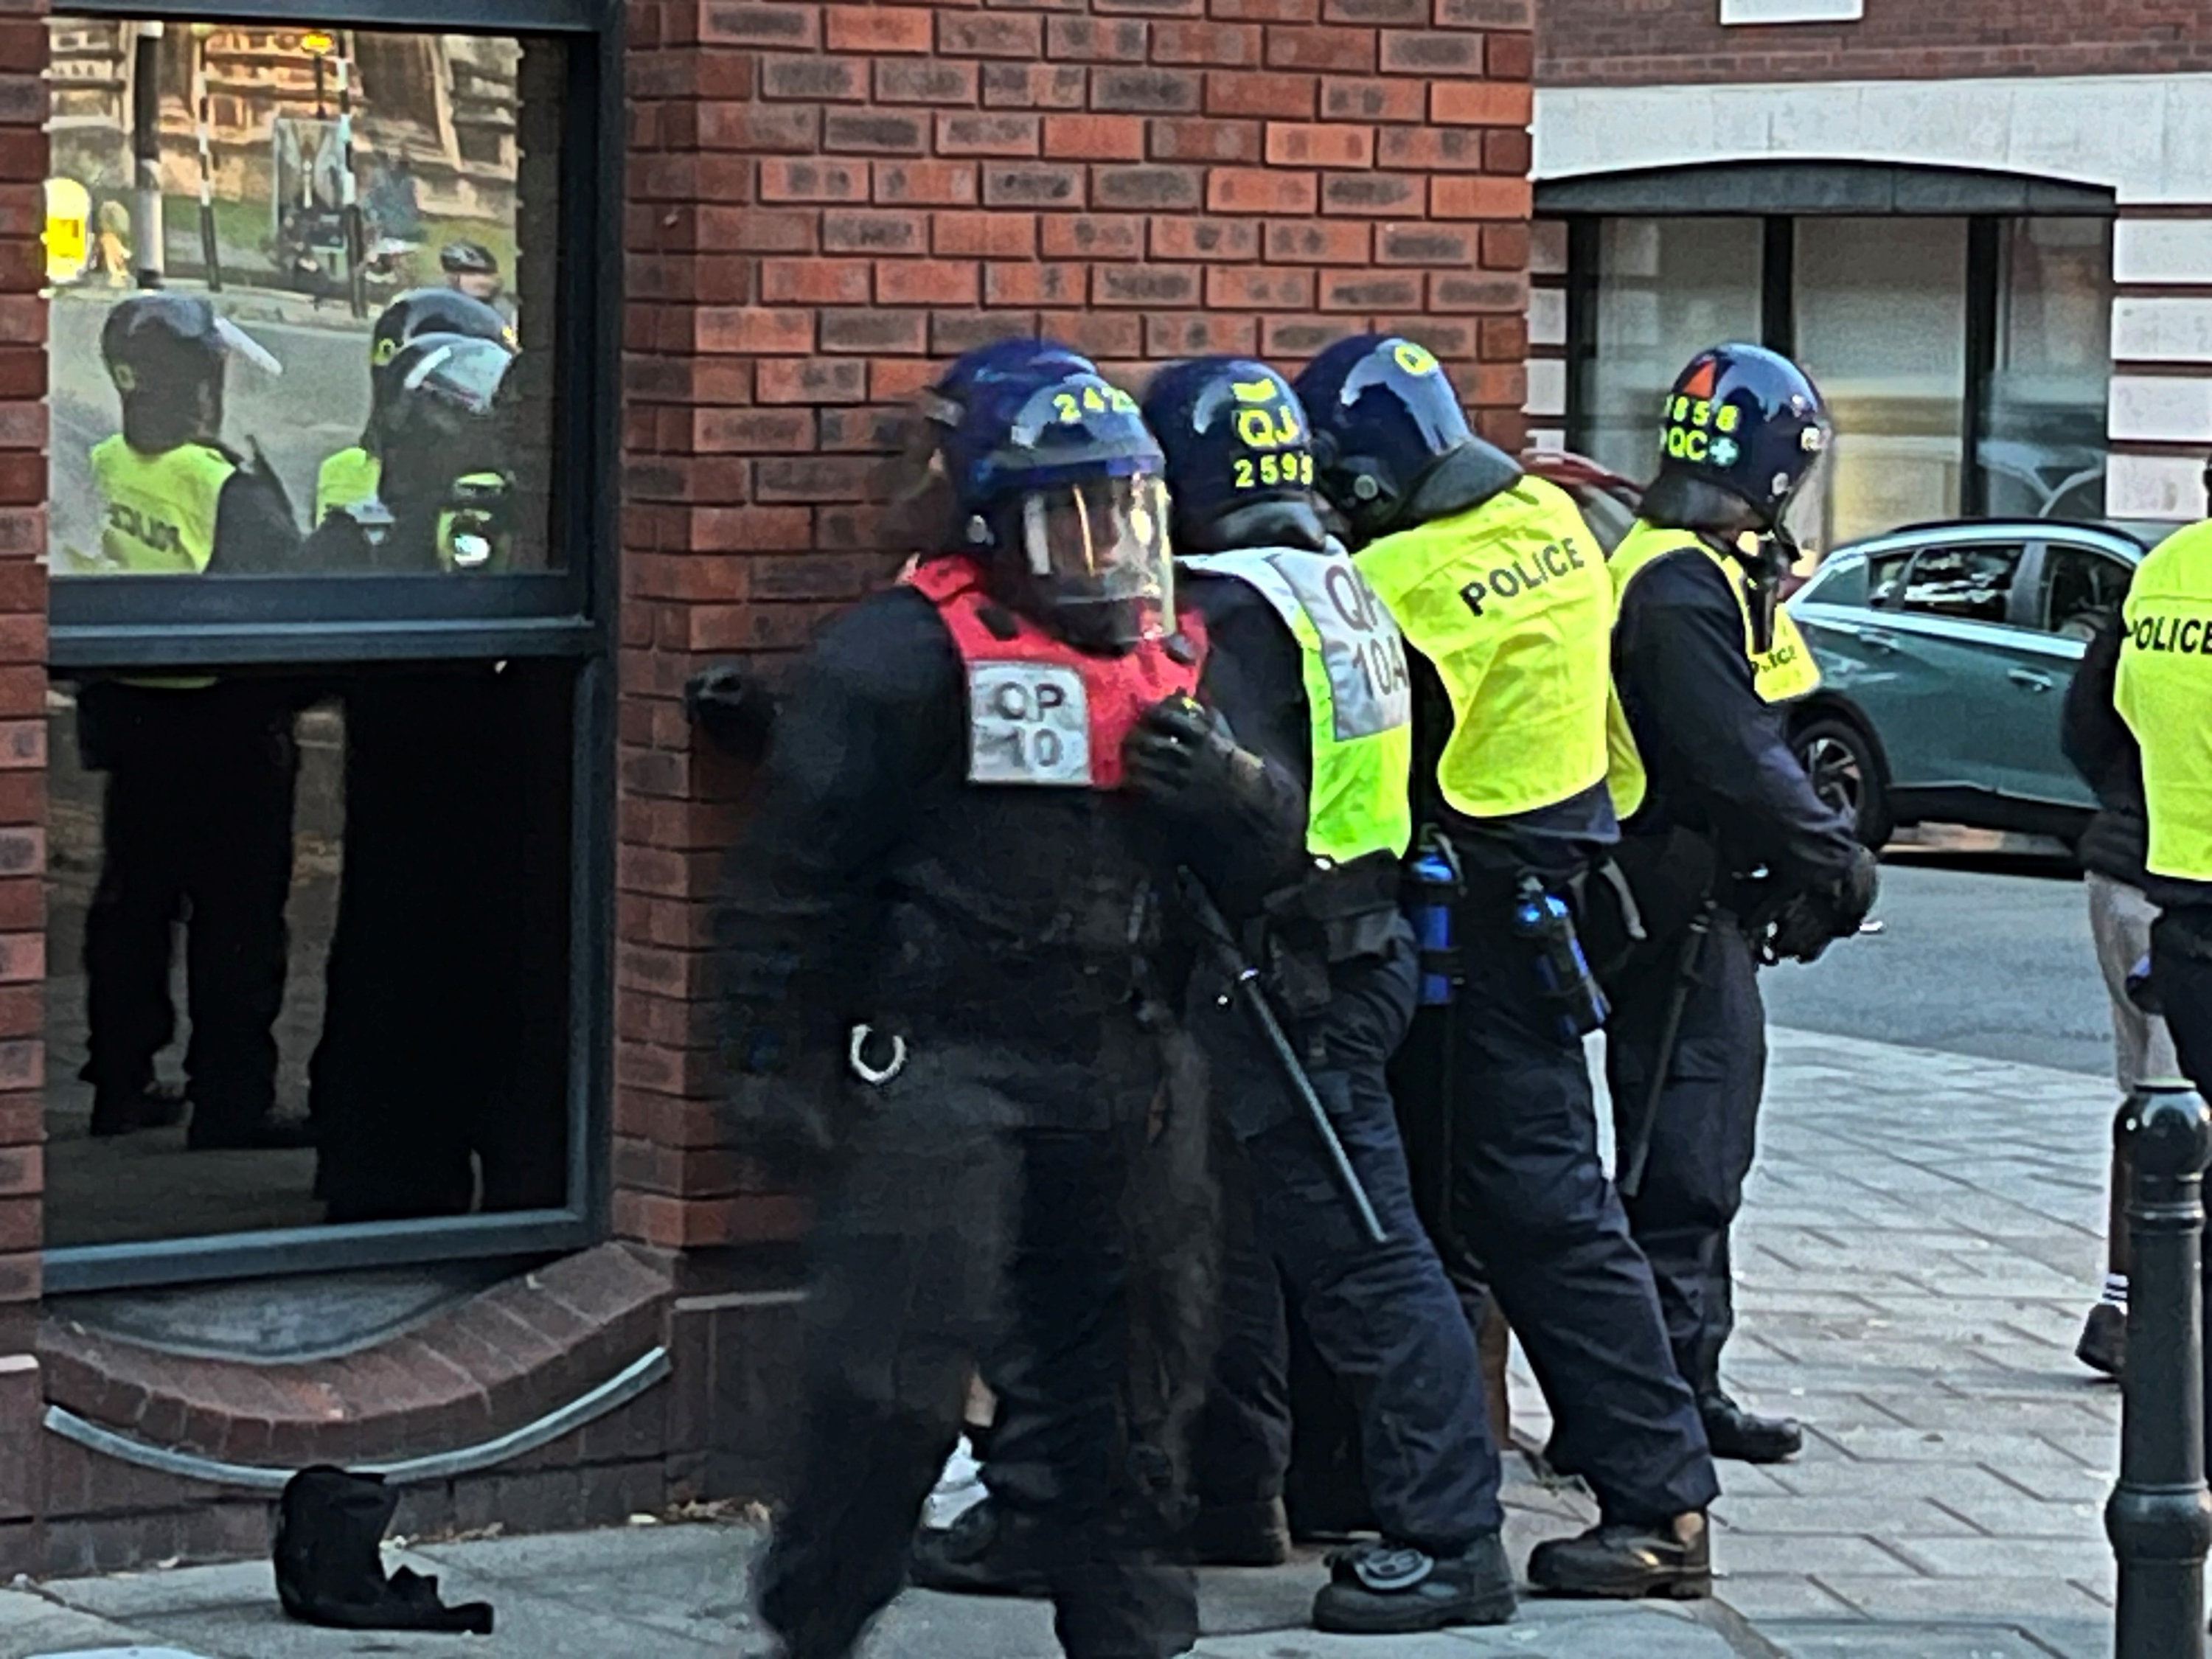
1040 711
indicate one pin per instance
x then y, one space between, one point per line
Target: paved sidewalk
1922 1240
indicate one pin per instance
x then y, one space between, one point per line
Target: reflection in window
328 380
1970 583
1881 327
1668 289
309 947
2042 447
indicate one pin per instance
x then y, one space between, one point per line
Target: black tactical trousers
1532 1203
1382 1317
1703 1135
955 1231
2181 973
197 825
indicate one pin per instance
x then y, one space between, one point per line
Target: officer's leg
127 930
2181 967
1102 1532
905 1264
1703 1140
1385 1319
1242 1445
239 880
1534 1203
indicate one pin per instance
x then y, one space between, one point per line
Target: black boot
1627 1562
157 1106
1254 1534
985 1551
329 1568
2104 1344
1735 1433
1394 1589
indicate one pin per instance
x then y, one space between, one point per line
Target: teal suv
1945 652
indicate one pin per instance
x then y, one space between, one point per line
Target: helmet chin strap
1766 559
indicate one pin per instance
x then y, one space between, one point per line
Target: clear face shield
1768 558
1097 558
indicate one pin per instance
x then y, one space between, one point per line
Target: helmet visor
1097 551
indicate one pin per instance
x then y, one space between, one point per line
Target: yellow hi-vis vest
1357 688
1782 673
158 511
1511 603
348 479
2164 692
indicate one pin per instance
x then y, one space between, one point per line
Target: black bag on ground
330 1525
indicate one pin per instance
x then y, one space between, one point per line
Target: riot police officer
1729 853
349 478
2163 690
1307 664
975 803
1504 598
443 983
200 771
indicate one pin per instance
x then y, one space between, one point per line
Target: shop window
2042 448
1880 308
330 709
1666 289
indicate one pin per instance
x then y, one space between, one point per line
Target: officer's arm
1680 651
254 531
1248 844
873 713
2094 737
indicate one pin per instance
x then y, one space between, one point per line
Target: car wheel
1841 763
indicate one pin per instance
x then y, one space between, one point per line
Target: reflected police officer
200 771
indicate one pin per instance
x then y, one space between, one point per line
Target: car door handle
2028 680
1875 640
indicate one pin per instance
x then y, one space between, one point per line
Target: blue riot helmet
1058 484
1240 465
920 514
1746 421
1383 413
413 314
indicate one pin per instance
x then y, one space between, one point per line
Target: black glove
1852 900
731 705
1181 754
1810 922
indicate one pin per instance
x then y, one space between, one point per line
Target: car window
2081 587
1886 579
1970 584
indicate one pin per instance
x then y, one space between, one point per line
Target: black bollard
2159 1517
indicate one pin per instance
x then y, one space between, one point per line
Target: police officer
444 961
349 477
975 801
1504 598
200 771
1728 852
1306 664
2163 690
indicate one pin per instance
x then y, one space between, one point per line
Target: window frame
1988 202
570 613
2023 548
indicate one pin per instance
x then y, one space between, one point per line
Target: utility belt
1441 902
1646 894
1346 912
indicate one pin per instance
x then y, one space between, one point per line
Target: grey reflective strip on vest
1361 650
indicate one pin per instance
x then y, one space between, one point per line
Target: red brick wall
827 200
22 741
1607 42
